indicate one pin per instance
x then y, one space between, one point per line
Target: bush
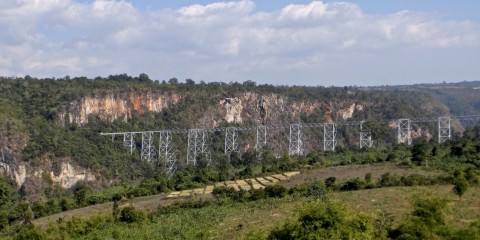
183 205
330 182
67 203
353 184
414 179
30 232
229 192
388 180
314 189
95 199
275 191
131 215
256 194
426 221
460 186
325 220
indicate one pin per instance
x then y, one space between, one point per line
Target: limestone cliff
250 106
111 107
31 177
274 108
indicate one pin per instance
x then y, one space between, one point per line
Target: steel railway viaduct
198 144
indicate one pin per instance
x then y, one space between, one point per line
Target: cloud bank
314 44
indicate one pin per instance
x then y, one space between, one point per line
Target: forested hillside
50 128
462 98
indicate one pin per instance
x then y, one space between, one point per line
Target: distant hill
50 128
462 98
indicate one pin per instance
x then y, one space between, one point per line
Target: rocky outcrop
272 108
256 107
111 107
63 173
234 109
69 175
347 113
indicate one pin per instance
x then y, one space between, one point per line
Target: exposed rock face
69 175
22 172
66 176
416 132
347 113
234 109
114 106
256 107
270 108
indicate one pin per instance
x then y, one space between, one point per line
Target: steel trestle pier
198 143
198 146
166 153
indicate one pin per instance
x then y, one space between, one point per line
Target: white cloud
223 41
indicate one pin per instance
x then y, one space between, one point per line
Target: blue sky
363 42
451 9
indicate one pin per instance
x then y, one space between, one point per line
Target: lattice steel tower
231 140
148 153
166 153
197 146
295 143
129 141
329 136
444 132
365 136
404 131
261 139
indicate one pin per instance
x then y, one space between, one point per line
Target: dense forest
30 110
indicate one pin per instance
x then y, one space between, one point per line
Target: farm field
253 219
287 180
235 220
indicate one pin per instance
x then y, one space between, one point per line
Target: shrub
30 232
223 191
229 192
256 194
314 189
325 220
130 215
388 180
66 203
352 184
276 191
183 205
413 179
95 199
460 186
330 182
426 221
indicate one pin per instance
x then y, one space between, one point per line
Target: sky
281 42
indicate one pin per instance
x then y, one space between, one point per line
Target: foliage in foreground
326 220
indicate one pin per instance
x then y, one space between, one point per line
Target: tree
426 221
189 81
5 192
143 78
173 81
80 193
421 152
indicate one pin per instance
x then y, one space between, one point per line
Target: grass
340 172
235 220
396 201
